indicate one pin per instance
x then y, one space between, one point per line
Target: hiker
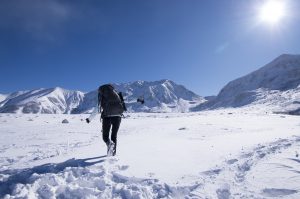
111 106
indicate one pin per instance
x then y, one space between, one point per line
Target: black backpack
112 103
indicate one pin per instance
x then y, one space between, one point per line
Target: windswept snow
233 153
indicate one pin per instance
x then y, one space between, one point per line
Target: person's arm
92 115
95 111
122 100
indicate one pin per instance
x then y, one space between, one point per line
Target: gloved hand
87 120
141 100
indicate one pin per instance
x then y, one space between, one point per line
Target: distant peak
140 82
287 56
166 81
55 89
58 88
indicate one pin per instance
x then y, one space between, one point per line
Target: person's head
103 88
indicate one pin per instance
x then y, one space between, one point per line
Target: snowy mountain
159 96
276 85
53 100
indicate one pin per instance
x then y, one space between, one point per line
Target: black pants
107 123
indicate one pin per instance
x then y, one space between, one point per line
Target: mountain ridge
275 86
280 79
50 100
160 96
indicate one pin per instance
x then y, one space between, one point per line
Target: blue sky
202 44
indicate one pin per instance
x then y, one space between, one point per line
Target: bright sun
272 11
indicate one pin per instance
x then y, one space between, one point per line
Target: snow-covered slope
3 97
53 100
11 96
159 96
275 85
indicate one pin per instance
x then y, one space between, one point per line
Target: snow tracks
100 177
249 175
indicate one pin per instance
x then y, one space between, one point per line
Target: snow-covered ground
232 153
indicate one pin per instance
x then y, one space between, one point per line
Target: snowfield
230 153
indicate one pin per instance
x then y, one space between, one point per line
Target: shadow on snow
22 175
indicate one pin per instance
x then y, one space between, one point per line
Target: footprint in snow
212 172
273 192
231 161
123 167
223 192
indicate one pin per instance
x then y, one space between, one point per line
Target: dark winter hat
105 87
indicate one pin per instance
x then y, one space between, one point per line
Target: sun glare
272 11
